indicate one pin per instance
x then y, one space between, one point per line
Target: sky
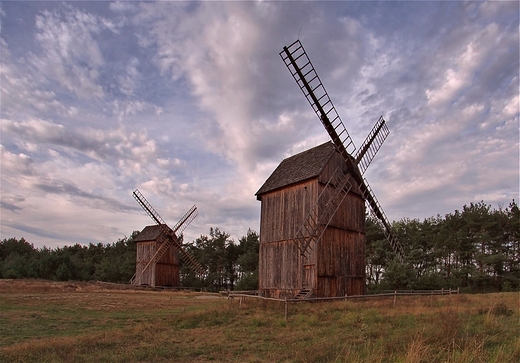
191 103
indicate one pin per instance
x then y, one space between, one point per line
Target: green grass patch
111 326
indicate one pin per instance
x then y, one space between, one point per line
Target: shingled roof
149 233
300 167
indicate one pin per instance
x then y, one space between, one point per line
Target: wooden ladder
303 294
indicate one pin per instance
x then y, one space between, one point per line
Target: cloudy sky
191 103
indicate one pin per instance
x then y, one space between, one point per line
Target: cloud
67 188
235 71
123 6
191 103
130 150
9 203
21 94
127 81
125 108
70 53
14 165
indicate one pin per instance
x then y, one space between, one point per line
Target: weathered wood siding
166 271
341 263
280 267
283 211
282 214
341 251
336 161
351 213
336 266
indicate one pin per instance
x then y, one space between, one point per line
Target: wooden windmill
159 248
312 227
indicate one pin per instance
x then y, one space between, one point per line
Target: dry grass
64 322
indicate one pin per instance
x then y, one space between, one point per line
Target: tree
398 276
226 261
511 245
63 273
117 263
377 253
17 259
248 248
215 253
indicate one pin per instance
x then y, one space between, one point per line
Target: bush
248 282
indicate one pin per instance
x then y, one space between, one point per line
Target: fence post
286 308
395 297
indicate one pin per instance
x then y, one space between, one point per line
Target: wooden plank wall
336 161
280 265
166 272
341 252
144 250
350 214
341 263
167 269
282 213
337 263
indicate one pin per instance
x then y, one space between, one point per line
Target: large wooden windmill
159 248
312 224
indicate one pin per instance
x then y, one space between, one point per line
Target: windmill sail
372 144
303 72
139 197
378 212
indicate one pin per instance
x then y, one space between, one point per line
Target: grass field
78 322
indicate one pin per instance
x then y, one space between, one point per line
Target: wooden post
286 308
395 297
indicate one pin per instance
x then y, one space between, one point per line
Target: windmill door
308 276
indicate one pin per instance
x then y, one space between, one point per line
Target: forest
476 249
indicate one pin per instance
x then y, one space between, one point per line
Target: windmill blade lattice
301 68
185 221
139 197
170 238
303 72
372 144
377 211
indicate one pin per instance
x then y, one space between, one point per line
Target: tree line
229 265
105 262
476 249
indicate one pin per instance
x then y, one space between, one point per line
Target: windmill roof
297 168
149 233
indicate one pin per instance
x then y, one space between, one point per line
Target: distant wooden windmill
159 248
312 223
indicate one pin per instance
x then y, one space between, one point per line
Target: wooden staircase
303 294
